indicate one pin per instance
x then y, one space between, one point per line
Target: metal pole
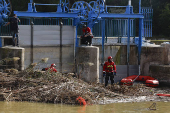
75 45
103 37
128 47
129 3
32 38
61 36
139 6
105 5
75 52
106 31
140 42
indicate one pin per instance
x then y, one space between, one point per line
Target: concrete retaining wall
152 55
87 60
46 44
161 72
155 62
9 53
45 35
66 64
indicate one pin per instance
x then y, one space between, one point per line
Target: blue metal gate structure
90 13
147 21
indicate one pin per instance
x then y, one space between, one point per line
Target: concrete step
5 40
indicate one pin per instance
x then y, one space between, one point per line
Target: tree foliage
161 16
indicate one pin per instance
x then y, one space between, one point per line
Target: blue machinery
83 12
5 10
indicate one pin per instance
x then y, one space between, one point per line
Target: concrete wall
46 35
155 63
47 41
9 53
66 64
119 54
152 55
87 61
160 72
46 44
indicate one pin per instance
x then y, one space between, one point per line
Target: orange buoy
152 83
149 81
127 82
167 95
81 100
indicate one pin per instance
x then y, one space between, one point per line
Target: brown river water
141 107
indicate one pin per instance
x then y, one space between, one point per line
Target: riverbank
47 87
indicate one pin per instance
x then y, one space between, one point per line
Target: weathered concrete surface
167 49
88 63
66 63
46 35
155 62
122 72
162 72
119 54
152 55
10 52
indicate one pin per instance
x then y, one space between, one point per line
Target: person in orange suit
52 68
109 70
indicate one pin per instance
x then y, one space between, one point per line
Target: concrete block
160 72
10 53
152 55
167 49
87 61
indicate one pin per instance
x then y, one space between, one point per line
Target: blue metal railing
5 30
148 14
114 27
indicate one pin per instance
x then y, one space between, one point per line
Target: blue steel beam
128 47
139 6
140 41
48 4
46 14
103 37
112 15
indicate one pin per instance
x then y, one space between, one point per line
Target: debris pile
51 88
135 90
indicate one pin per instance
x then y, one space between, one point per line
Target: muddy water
26 107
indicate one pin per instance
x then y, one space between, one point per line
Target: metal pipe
61 36
140 41
75 52
129 3
32 38
48 4
139 6
115 6
103 37
128 47
105 5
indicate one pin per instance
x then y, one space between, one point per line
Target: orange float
149 81
81 100
166 95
